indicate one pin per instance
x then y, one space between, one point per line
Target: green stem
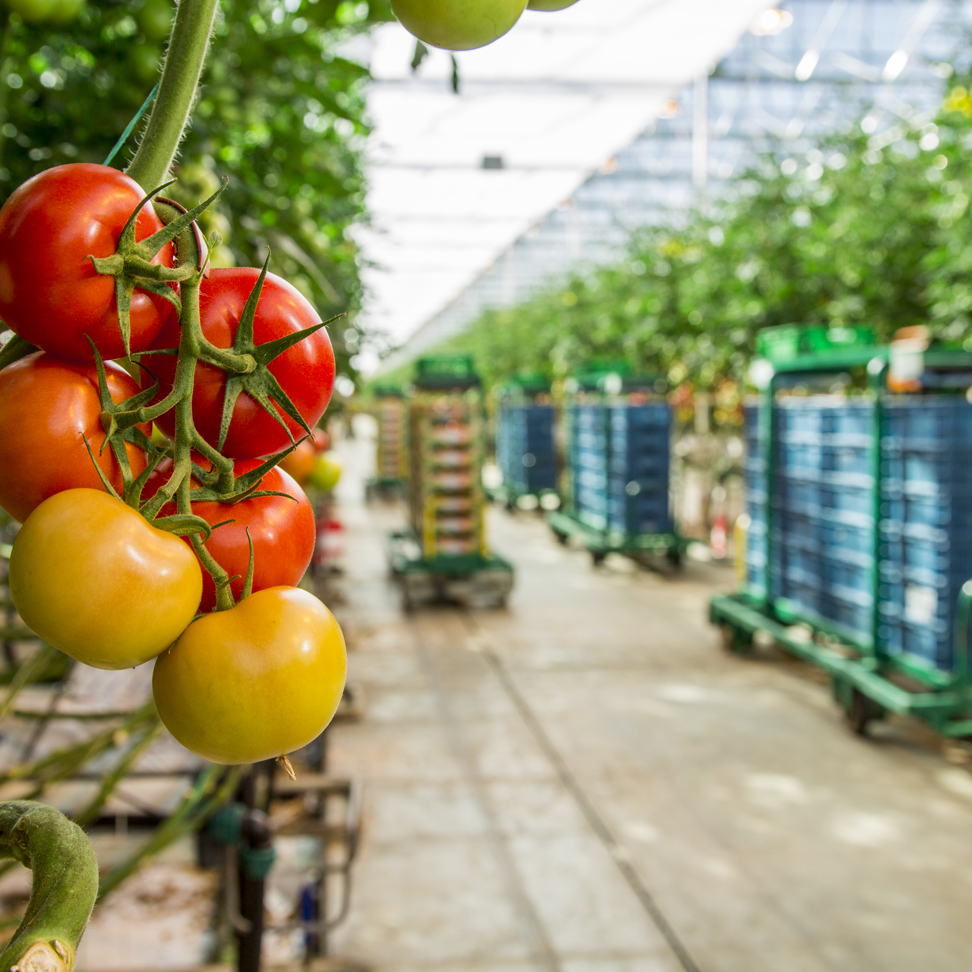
177 89
64 885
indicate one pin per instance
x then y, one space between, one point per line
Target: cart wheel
734 640
860 711
408 605
597 557
674 557
561 538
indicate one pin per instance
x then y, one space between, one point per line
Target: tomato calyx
15 349
259 382
132 267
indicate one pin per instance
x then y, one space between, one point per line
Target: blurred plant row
869 227
281 115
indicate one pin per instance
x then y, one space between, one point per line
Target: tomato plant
255 682
281 529
47 406
304 371
458 25
51 293
90 576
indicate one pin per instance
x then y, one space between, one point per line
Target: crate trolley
526 450
443 555
391 459
859 549
616 475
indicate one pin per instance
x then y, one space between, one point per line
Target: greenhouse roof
456 178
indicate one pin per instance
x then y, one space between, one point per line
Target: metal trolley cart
859 547
444 554
391 460
618 431
526 450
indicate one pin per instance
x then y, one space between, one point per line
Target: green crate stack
446 497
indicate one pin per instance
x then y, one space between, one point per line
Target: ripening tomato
458 25
47 405
91 576
320 439
50 292
282 531
300 462
305 371
326 472
258 681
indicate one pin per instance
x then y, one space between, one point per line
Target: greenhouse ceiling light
771 22
895 65
807 65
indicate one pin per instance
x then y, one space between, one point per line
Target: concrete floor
586 782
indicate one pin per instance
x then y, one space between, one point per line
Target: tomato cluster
182 542
463 25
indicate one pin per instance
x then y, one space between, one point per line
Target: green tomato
325 473
458 25
144 62
550 4
155 19
46 11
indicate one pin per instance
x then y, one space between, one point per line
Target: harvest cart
858 548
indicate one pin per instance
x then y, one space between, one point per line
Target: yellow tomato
92 577
458 25
258 681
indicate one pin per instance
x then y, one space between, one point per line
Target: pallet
474 580
640 547
865 685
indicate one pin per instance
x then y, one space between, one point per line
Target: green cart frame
867 682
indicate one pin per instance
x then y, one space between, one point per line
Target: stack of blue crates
823 503
525 449
755 472
620 466
926 525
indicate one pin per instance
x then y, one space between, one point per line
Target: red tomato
50 292
321 440
305 371
46 404
282 531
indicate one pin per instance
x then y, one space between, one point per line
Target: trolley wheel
561 538
597 557
674 557
860 711
734 640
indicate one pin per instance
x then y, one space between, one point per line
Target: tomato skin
326 472
305 371
92 577
320 439
255 682
550 4
282 531
46 405
458 25
50 292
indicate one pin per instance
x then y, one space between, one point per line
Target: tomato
92 577
282 531
458 25
46 11
305 371
326 473
320 439
300 462
258 681
50 292
550 4
155 19
46 405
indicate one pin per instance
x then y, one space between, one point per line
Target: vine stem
177 90
64 885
